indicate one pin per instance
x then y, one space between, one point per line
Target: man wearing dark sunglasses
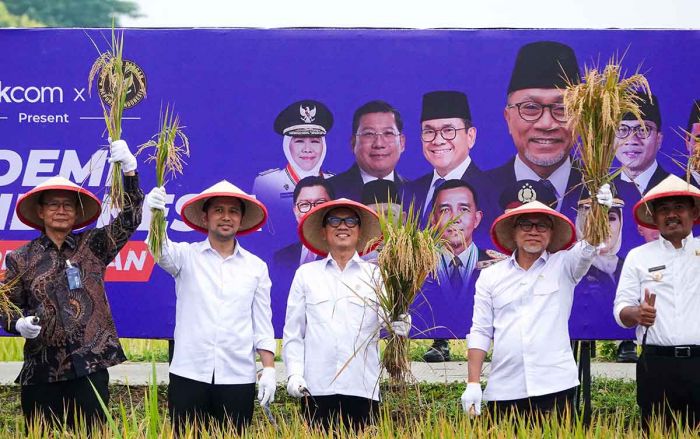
333 319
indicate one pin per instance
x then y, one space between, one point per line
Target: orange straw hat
670 186
502 230
310 226
255 211
87 211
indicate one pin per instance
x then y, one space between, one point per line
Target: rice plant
7 307
408 255
594 109
169 146
119 78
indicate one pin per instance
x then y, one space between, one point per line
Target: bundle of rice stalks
119 77
407 257
594 109
169 145
7 307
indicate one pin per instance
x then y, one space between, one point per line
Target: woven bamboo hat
311 224
671 186
255 212
502 230
87 211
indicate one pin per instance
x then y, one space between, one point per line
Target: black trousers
353 412
67 401
668 387
190 400
561 403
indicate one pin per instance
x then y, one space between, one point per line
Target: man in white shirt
331 330
659 294
523 304
222 312
377 143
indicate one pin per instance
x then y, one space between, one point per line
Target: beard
545 161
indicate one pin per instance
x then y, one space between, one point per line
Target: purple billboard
231 88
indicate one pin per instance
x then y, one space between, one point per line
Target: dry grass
7 307
595 108
120 77
169 146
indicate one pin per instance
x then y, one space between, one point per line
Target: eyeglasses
447 133
527 226
625 130
533 111
53 206
371 136
335 221
305 206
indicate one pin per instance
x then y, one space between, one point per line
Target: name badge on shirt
697 252
656 272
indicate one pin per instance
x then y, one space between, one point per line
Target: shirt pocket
504 298
362 313
319 309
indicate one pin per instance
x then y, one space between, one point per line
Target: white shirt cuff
478 341
267 344
617 310
295 369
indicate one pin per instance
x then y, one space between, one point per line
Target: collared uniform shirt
526 314
674 276
222 313
332 327
559 178
366 178
78 336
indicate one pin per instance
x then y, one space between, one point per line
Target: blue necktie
455 277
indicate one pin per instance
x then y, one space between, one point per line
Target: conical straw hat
255 212
671 186
503 229
311 224
88 208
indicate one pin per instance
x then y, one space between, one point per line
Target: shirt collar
366 178
206 245
666 244
642 180
544 257
454 174
46 242
329 259
559 178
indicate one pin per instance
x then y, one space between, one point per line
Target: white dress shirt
332 327
643 179
559 178
222 313
455 174
526 314
674 276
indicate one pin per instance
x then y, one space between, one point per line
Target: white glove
26 328
472 398
267 384
604 196
156 198
119 152
402 326
295 386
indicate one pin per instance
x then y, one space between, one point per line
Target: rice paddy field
423 411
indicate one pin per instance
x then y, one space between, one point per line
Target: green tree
10 20
74 13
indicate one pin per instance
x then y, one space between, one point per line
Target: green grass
437 414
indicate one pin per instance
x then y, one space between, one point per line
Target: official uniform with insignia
275 187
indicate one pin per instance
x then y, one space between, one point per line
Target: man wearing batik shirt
70 335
